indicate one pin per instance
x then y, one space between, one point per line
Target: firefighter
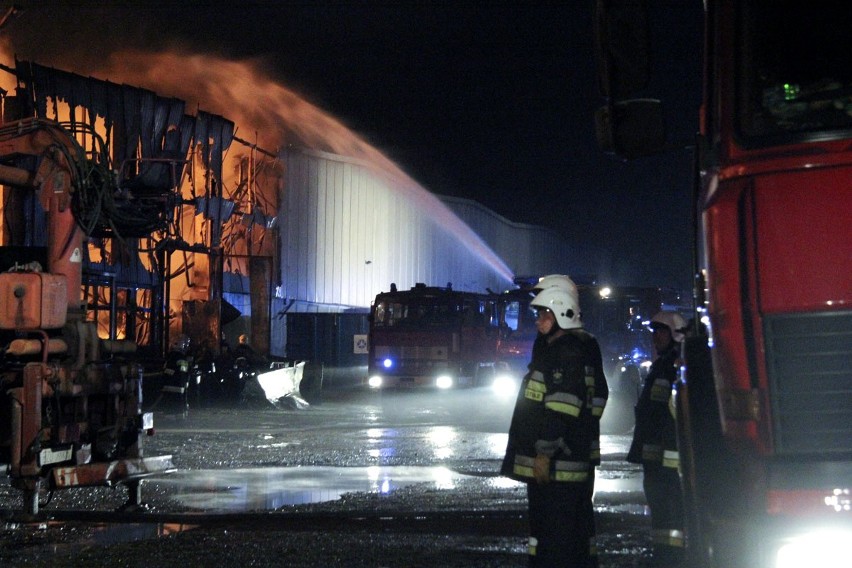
551 433
176 371
655 442
598 393
245 351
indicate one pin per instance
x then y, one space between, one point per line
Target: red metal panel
110 473
804 240
32 300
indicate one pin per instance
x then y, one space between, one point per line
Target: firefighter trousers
664 497
559 524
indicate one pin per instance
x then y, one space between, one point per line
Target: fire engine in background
618 317
431 336
516 321
71 412
764 401
441 337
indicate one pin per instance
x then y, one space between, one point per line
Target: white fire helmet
556 281
563 303
672 320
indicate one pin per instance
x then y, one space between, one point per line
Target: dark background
491 101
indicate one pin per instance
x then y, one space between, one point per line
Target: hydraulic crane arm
55 177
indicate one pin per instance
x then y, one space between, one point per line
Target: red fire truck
765 396
517 334
431 336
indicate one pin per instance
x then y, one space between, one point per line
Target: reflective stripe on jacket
655 434
554 410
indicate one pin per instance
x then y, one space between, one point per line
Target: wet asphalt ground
357 478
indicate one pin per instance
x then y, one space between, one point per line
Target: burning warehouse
129 219
161 233
206 233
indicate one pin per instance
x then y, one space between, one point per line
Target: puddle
627 484
106 535
271 488
624 508
255 489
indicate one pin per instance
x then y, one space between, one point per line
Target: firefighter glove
541 469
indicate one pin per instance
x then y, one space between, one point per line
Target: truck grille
809 361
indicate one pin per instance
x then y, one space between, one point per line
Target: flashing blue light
387 363
637 354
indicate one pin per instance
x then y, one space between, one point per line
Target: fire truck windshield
794 78
423 312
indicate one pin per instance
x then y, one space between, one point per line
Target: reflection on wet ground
269 488
274 487
387 456
607 487
138 531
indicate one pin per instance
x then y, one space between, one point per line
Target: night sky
491 101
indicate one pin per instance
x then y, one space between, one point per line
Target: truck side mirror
631 129
622 48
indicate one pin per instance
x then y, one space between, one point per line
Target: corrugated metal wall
348 231
528 250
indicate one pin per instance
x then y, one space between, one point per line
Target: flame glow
275 117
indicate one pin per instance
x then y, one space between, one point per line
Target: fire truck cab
431 336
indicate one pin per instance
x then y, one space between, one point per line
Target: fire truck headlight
504 385
826 549
444 382
375 381
387 363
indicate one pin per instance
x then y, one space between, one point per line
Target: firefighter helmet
556 281
563 303
672 320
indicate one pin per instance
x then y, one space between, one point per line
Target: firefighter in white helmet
550 437
655 442
597 399
556 281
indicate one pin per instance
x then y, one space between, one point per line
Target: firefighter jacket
597 395
177 368
655 434
553 413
